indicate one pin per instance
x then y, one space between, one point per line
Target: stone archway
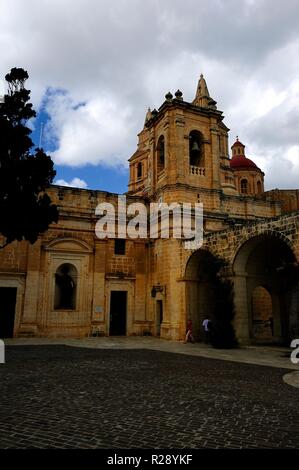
264 261
199 291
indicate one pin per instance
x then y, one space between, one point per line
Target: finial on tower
179 95
202 97
169 97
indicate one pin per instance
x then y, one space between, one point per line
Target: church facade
72 283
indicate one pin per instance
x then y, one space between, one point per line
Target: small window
65 287
119 247
259 187
139 170
161 154
244 186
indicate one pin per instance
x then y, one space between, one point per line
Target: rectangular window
139 170
119 247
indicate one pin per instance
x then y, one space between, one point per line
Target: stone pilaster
28 325
215 159
99 316
241 320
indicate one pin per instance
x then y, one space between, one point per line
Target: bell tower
182 151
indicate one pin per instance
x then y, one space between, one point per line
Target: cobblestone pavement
272 356
67 397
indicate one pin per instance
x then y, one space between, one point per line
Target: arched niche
65 287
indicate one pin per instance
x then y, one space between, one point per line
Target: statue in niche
66 286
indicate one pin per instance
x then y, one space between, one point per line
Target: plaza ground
145 393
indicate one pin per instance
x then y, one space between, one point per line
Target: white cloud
98 131
121 56
74 183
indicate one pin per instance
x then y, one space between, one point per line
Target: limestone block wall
14 257
288 197
250 207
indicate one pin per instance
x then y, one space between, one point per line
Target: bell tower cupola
238 148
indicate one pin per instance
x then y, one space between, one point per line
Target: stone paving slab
57 396
267 356
292 379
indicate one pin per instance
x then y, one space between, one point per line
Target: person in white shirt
207 329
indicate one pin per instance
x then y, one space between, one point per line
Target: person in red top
189 335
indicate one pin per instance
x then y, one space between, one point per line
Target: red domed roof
241 162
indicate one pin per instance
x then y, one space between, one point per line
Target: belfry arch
265 286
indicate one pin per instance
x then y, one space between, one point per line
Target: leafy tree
26 209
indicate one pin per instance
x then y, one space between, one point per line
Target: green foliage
25 208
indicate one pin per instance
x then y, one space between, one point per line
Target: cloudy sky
95 67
